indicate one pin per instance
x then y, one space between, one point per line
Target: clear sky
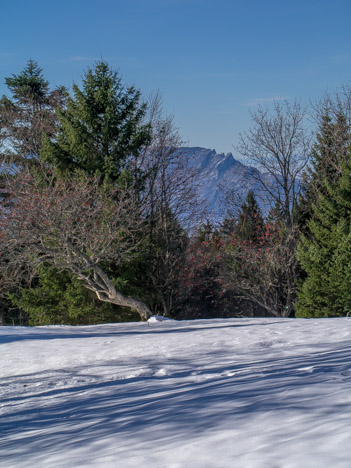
213 60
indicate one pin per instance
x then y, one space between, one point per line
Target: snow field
241 393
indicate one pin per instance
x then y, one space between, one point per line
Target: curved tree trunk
127 301
105 290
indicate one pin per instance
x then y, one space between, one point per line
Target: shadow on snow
185 403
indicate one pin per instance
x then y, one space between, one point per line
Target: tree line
100 221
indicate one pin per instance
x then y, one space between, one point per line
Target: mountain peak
217 173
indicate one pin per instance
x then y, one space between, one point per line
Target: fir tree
250 222
60 298
329 154
101 128
29 85
101 132
325 253
26 115
30 113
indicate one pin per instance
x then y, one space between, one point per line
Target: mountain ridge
219 173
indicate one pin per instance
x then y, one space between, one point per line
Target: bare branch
73 224
264 271
279 146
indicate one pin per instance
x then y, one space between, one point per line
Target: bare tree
278 145
231 201
172 204
72 224
265 271
171 185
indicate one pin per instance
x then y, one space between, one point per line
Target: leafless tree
72 224
278 145
171 185
173 207
231 200
263 272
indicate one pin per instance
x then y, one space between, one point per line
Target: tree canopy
102 128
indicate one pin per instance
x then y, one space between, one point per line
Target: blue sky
213 60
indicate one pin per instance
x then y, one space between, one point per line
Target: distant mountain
216 172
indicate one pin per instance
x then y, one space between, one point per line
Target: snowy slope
242 393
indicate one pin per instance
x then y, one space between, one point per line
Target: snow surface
241 393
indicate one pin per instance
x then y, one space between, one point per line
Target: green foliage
329 154
30 84
330 151
101 131
61 299
325 253
30 112
324 218
102 127
250 221
248 224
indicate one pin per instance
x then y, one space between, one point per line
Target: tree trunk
133 303
117 298
104 289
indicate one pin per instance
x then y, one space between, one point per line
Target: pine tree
325 253
101 128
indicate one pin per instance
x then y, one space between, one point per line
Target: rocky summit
218 174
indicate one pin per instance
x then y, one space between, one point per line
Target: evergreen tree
259 263
325 253
29 85
275 215
60 298
102 127
101 132
330 151
329 154
250 222
30 113
25 117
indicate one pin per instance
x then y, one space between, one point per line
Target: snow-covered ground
240 393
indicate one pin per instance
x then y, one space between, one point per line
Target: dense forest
100 220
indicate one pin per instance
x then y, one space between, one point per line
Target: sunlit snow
240 393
